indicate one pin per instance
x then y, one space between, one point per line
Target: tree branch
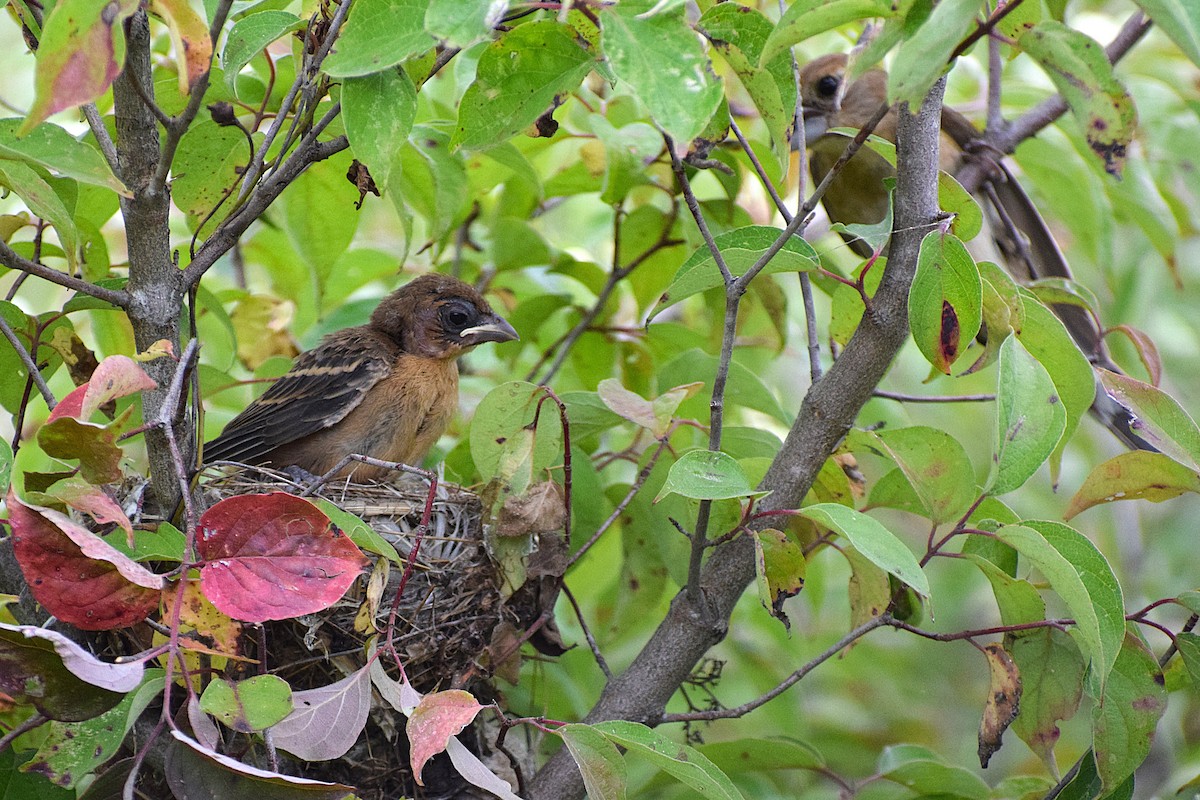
642 691
14 260
1006 138
35 374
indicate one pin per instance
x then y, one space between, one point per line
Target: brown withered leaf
539 509
1003 701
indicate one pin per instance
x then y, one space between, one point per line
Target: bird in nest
386 389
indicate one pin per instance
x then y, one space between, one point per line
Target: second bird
386 389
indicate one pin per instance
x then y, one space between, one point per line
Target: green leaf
1052 670
1030 418
945 304
806 18
73 750
931 777
741 249
1081 576
379 34
922 57
207 166
496 431
663 61
758 755
1125 718
707 475
1017 600
739 33
1161 421
1047 340
431 179
780 567
358 531
52 148
249 36
872 540
1138 475
254 704
684 762
44 202
460 23
81 52
6 465
519 77
379 111
1081 71
1179 20
936 465
600 763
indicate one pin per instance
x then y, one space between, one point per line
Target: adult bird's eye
828 86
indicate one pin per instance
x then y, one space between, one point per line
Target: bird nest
451 604
450 620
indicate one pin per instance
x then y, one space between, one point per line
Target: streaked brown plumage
1018 236
386 389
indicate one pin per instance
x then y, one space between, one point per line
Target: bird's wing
322 387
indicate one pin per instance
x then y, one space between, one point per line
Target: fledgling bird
386 389
1020 239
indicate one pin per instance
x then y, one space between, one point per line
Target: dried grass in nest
451 604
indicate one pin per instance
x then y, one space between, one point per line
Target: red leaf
274 556
69 406
75 574
436 718
116 376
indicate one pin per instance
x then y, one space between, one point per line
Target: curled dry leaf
1003 701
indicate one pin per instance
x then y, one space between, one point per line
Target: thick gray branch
827 413
155 289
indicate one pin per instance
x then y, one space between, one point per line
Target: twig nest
451 605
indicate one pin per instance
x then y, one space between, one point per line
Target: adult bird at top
386 389
1018 237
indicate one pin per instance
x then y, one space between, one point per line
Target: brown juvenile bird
386 389
1022 241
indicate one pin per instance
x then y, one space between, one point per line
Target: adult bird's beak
495 329
816 123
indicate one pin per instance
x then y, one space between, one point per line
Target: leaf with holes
273 556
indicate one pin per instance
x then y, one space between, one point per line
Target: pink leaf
116 376
75 574
274 556
437 718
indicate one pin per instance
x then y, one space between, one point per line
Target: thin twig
107 148
14 260
166 420
35 374
562 348
929 398
587 633
787 683
634 488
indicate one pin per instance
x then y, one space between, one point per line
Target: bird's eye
828 86
457 316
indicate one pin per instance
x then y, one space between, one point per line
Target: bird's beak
816 124
496 329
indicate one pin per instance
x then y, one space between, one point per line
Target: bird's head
436 316
828 100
